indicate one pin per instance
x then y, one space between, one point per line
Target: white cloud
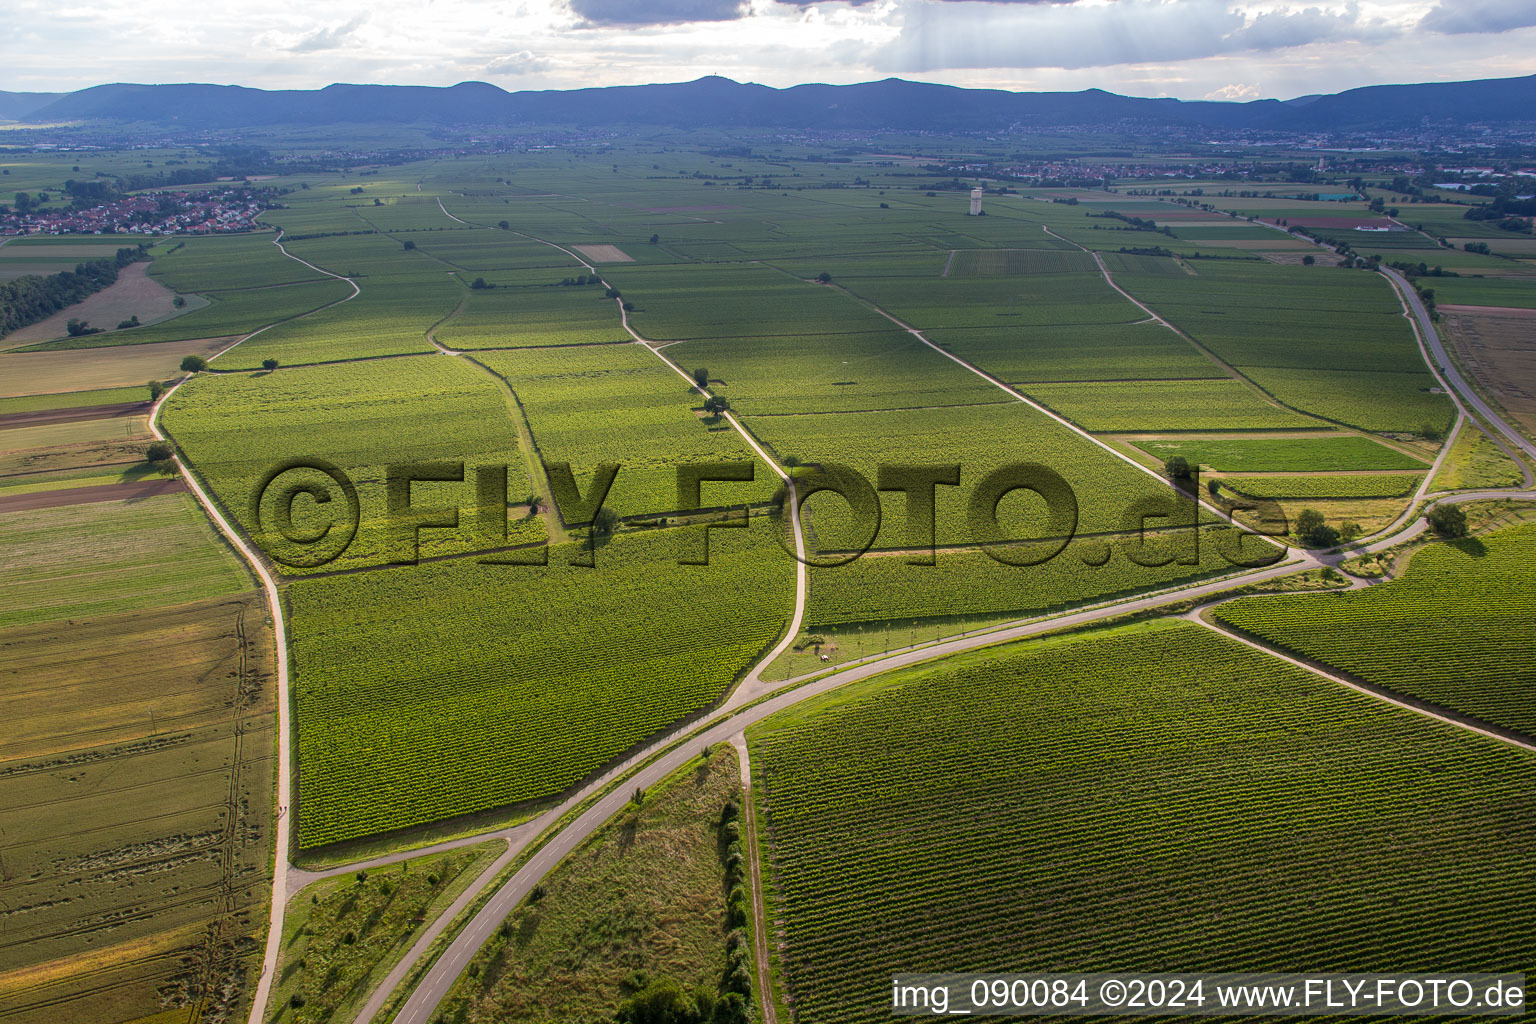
523 62
1235 91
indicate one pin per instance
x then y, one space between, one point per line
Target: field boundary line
1384 694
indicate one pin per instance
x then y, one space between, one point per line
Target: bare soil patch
604 253
134 294
1498 347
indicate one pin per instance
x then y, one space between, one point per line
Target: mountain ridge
890 103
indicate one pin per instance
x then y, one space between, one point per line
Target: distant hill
14 105
892 103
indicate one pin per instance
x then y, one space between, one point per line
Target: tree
715 405
160 451
701 377
1178 469
1349 529
179 301
1214 486
1448 520
479 284
1313 530
156 389
655 239
629 307
409 245
606 521
824 277
131 322
1308 260
504 225
193 364
613 293
269 364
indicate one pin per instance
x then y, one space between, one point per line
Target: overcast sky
1186 48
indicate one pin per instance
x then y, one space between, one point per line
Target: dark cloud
657 12
1465 16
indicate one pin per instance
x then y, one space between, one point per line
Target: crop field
1385 402
1454 630
1365 485
645 890
225 262
111 556
1467 291
136 794
832 373
1022 300
1264 315
1018 355
37 373
705 301
390 316
73 400
1121 407
235 428
976 438
619 403
1499 350
971 585
502 695
531 316
1323 453
992 262
1163 742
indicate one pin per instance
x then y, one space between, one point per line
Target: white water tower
976 201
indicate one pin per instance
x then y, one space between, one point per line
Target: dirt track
86 495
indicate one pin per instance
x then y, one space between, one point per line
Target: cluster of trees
1312 529
581 281
1510 211
26 300
1137 223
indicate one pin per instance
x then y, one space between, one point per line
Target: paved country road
1448 368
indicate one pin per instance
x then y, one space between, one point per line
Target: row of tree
26 300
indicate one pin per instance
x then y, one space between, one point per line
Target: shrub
160 451
269 364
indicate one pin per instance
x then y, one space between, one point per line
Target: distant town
168 212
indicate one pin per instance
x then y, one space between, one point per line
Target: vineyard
970 584
506 692
1166 405
1456 629
618 403
1161 795
979 439
1370 485
832 373
1088 352
360 417
1323 453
